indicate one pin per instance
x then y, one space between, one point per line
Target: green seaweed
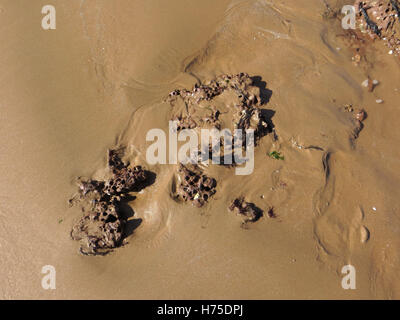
276 155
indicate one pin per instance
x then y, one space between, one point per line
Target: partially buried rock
101 229
247 210
238 109
359 116
194 186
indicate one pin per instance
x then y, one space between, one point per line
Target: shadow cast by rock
150 179
126 212
265 93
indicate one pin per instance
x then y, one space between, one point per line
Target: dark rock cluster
104 224
249 211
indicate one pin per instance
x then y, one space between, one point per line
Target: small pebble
360 115
370 84
390 52
374 208
379 101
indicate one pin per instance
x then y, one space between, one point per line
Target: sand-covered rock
101 228
228 101
194 186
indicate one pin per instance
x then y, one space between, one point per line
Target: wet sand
99 81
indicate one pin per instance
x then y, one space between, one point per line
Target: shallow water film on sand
215 149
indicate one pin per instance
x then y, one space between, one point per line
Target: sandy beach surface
99 81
